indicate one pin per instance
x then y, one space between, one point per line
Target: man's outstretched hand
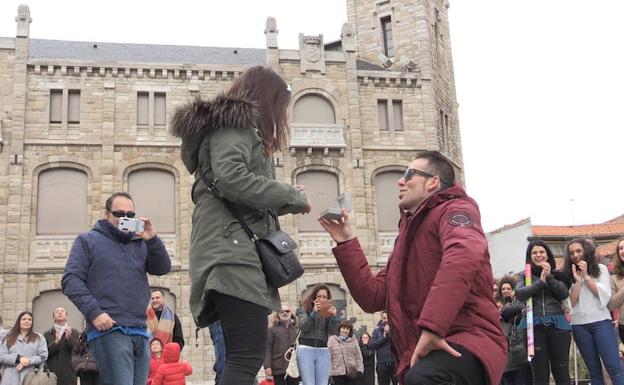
429 342
339 230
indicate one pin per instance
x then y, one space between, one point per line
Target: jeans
440 368
386 373
245 332
595 341
552 353
216 335
121 359
314 365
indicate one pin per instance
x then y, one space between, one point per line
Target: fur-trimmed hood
194 120
199 116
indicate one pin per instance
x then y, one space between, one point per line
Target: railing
385 241
307 135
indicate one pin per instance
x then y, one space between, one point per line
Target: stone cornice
135 70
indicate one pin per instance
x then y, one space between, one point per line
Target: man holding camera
380 341
437 285
106 278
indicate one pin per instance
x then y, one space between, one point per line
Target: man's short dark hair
440 166
109 201
162 293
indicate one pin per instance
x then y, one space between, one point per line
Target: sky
539 84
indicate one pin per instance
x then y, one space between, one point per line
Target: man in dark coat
159 325
437 285
61 339
380 341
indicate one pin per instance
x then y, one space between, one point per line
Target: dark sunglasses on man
410 172
121 214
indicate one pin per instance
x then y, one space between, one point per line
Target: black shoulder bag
276 250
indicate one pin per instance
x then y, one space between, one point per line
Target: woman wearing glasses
551 329
230 140
282 335
591 321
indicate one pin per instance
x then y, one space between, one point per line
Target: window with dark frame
390 114
160 109
56 106
73 107
388 41
382 112
142 108
397 112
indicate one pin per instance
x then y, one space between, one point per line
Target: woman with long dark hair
591 321
231 139
617 285
317 321
516 373
21 350
368 357
551 328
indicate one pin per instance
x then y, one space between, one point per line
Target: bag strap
212 188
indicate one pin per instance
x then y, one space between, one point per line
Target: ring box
344 202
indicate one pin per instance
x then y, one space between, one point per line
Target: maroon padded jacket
438 277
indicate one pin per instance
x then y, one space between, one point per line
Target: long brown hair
11 336
308 301
589 256
269 92
618 265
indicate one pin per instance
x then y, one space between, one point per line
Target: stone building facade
80 120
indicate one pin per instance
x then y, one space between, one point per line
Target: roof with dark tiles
143 53
91 51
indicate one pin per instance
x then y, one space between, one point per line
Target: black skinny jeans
245 333
440 368
386 373
552 353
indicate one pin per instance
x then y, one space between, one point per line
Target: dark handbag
41 375
276 250
516 339
81 359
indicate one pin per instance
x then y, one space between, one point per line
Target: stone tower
413 35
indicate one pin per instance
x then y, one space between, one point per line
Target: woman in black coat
368 355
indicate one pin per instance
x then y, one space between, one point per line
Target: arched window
387 199
313 108
321 187
61 201
44 305
153 192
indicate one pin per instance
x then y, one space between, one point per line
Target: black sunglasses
120 214
410 172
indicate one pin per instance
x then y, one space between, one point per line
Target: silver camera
131 225
344 202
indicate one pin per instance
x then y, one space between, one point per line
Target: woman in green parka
232 139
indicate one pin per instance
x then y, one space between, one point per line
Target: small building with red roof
508 243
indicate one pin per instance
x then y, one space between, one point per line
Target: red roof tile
603 229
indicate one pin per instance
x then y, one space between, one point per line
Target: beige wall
108 146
